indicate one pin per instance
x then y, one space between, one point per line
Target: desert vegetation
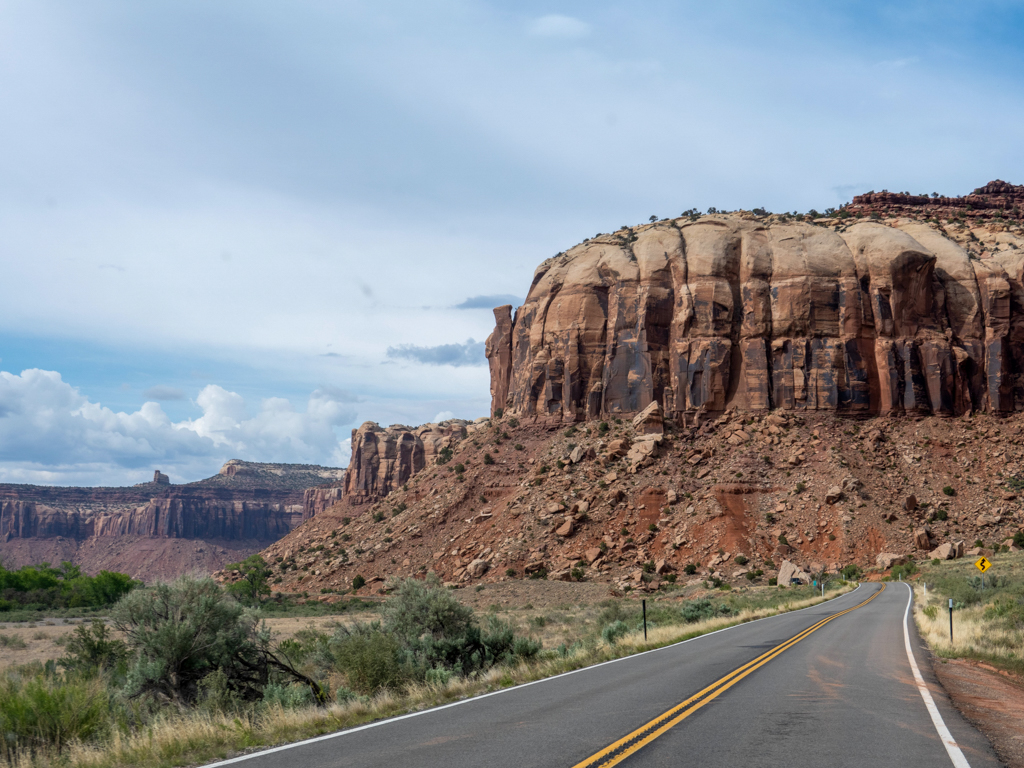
34 589
189 671
988 618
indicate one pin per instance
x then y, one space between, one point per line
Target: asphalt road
843 694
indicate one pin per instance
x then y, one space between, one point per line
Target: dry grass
197 737
978 632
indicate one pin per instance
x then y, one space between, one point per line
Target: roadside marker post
982 564
951 621
644 604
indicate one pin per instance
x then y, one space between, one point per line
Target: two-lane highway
832 685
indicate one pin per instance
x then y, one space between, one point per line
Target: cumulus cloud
489 302
470 353
160 392
50 431
556 25
443 416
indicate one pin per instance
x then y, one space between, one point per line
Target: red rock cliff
728 310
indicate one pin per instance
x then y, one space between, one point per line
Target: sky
241 229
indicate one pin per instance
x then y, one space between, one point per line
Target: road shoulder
991 700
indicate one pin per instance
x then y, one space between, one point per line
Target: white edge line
940 726
395 719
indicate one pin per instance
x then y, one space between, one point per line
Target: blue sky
241 229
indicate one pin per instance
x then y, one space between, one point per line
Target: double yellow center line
615 753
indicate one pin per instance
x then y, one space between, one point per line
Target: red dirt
990 699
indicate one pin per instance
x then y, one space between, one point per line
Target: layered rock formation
247 503
997 199
384 459
731 311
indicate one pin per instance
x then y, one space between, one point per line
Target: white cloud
556 25
443 416
51 433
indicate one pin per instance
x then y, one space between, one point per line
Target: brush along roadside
201 736
988 618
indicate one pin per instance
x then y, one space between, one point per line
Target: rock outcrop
386 458
732 311
997 199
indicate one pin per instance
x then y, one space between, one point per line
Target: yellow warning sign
983 564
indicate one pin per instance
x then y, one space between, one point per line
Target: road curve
831 685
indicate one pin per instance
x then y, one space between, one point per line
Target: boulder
649 421
922 539
945 551
576 455
910 503
591 555
834 494
565 530
887 560
477 568
788 572
617 448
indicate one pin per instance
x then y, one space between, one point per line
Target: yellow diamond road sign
983 564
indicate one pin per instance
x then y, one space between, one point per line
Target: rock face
316 500
246 502
386 458
729 311
997 198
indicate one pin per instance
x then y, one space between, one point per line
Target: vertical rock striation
729 311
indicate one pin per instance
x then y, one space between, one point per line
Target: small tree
179 633
254 584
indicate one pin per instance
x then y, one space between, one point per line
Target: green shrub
488 459
253 586
290 696
949 490
378 516
179 633
614 631
931 612
851 572
93 647
1018 539
14 642
690 568
371 659
358 582
43 713
702 608
741 560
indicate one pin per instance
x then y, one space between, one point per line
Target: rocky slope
762 395
813 489
240 510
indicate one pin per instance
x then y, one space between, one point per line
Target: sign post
982 564
951 621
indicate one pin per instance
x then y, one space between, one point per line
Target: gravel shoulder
992 700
